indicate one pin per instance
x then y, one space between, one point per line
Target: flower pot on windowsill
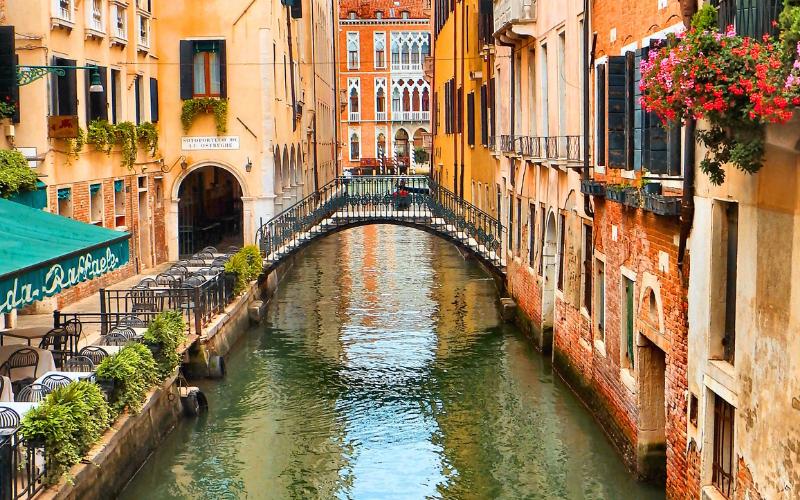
662 205
652 188
592 187
617 195
633 198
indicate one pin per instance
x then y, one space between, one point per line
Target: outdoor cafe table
139 331
74 376
28 334
20 408
110 349
46 362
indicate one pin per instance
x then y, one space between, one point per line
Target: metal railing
198 303
573 146
412 200
22 466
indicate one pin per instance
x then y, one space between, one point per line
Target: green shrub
102 134
148 133
246 266
705 19
193 107
255 263
69 421
167 329
133 371
15 174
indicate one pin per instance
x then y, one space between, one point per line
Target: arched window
414 53
355 150
380 101
405 57
406 100
415 100
426 50
380 50
404 14
426 100
381 144
353 101
396 101
395 54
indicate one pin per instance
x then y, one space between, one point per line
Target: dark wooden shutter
460 107
65 97
641 128
115 115
223 69
630 109
137 97
297 9
154 100
9 90
600 134
187 69
484 116
616 112
674 148
492 115
471 119
658 163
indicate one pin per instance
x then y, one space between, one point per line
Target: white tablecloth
71 375
111 349
46 362
7 394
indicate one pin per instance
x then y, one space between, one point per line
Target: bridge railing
410 199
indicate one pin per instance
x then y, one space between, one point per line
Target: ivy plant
246 266
133 371
148 133
128 140
168 330
102 135
15 174
193 107
75 146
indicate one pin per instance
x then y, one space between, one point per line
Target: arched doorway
209 211
402 151
549 261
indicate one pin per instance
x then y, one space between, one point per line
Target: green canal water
383 371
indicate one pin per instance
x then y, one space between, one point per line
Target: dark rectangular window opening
722 464
600 306
65 89
542 222
531 233
693 409
519 226
137 97
588 257
729 340
510 236
115 104
601 115
627 290
471 119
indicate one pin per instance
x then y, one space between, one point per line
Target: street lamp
249 165
96 86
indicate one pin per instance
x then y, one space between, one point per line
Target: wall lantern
248 166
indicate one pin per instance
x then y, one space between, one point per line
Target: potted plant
592 187
616 192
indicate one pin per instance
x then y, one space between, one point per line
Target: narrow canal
383 370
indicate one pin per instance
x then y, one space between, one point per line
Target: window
144 5
97 102
380 50
600 301
154 100
471 118
378 15
355 151
352 16
65 202
562 243
96 16
519 226
116 97
144 31
64 89
63 9
693 403
119 23
510 237
600 104
628 328
96 204
588 257
722 463
353 101
395 101
724 274
542 216
545 92
119 203
531 233
484 117
459 107
137 98
562 85
353 49
204 69
404 15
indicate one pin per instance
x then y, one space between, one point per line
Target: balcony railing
407 67
507 11
380 116
411 116
486 30
23 466
567 147
751 18
354 116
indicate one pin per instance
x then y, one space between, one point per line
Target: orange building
385 100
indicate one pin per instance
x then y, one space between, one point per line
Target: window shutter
297 9
630 109
484 124
186 73
674 148
641 129
137 97
616 112
154 100
69 101
658 163
600 135
9 90
471 119
223 69
96 103
115 114
460 110
492 114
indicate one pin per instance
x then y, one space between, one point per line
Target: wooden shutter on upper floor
600 134
484 117
154 100
617 106
97 102
492 114
630 109
674 152
460 107
641 127
471 118
223 68
187 69
65 89
9 90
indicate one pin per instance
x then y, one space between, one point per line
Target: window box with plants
616 192
662 205
105 136
593 187
209 105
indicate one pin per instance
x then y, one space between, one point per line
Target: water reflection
383 370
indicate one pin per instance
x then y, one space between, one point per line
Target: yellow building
464 107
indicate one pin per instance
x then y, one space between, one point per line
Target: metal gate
186 230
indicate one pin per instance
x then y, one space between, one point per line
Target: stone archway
210 210
402 150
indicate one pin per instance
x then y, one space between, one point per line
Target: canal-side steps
414 201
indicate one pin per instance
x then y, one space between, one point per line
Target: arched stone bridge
414 201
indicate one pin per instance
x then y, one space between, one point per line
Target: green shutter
616 112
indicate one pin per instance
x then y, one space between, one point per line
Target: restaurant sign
201 143
51 280
63 127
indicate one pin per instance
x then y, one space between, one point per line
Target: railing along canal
409 200
22 465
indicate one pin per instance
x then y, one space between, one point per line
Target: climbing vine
193 107
104 136
148 133
75 146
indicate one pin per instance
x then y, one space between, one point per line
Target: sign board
205 143
63 127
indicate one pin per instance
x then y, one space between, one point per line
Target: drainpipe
512 164
314 91
291 67
587 207
461 106
337 113
687 204
452 113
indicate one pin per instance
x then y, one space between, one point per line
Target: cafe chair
210 250
57 341
165 279
55 380
196 263
77 364
203 256
125 331
148 283
33 393
131 321
20 360
233 249
94 353
219 261
113 339
9 419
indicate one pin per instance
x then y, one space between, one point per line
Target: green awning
34 199
42 254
